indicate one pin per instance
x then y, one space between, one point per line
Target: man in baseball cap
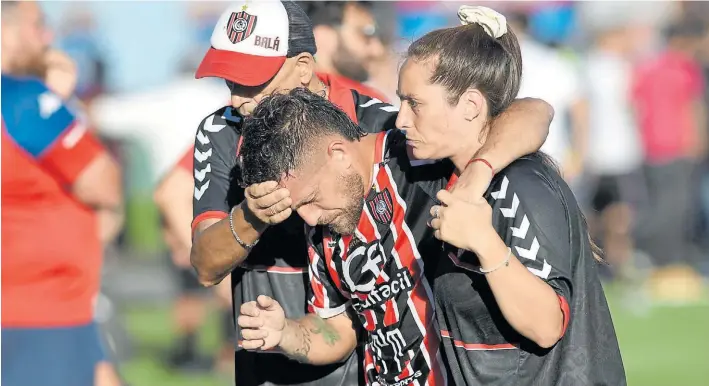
265 47
254 39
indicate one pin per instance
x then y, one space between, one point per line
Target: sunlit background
136 60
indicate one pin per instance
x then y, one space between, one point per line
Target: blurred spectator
77 38
54 173
384 70
549 76
614 155
173 197
346 38
669 99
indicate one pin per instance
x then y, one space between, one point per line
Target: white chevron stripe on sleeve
371 102
201 174
511 211
521 232
211 127
501 194
198 193
202 156
203 139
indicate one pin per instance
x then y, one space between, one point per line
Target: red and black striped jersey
277 266
379 270
536 215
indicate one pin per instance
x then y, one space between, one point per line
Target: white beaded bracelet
505 263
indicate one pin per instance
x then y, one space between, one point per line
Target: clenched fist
262 323
270 203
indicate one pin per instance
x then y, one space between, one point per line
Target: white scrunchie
494 23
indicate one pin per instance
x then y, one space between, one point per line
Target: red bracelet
483 161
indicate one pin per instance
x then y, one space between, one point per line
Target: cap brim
243 69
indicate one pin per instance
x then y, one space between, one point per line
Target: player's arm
326 336
310 339
215 252
520 130
215 249
173 197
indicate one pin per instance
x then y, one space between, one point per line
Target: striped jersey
379 269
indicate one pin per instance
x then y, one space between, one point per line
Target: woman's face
431 124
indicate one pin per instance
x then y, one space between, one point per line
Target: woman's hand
465 224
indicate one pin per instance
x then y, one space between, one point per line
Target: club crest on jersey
381 207
240 26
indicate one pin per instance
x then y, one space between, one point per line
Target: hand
262 323
466 224
268 202
61 74
473 182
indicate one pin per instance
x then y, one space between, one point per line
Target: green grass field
661 345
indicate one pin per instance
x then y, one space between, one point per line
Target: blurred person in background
347 40
613 160
173 197
383 70
54 173
668 96
163 119
260 48
77 38
549 76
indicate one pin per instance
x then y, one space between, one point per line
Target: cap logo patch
240 26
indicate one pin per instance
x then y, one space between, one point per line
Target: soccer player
261 48
58 186
518 296
366 205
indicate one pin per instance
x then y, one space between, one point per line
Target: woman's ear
473 103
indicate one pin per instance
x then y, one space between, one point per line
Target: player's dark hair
279 134
466 56
329 13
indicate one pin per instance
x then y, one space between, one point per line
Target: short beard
347 66
349 218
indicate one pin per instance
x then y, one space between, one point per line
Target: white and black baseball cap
253 38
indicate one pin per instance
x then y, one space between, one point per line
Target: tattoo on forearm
329 335
309 326
301 353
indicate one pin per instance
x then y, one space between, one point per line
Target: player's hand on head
262 323
465 224
270 203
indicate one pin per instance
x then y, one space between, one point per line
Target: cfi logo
363 266
240 26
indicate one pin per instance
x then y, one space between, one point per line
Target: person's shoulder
373 114
22 87
225 117
535 175
28 94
